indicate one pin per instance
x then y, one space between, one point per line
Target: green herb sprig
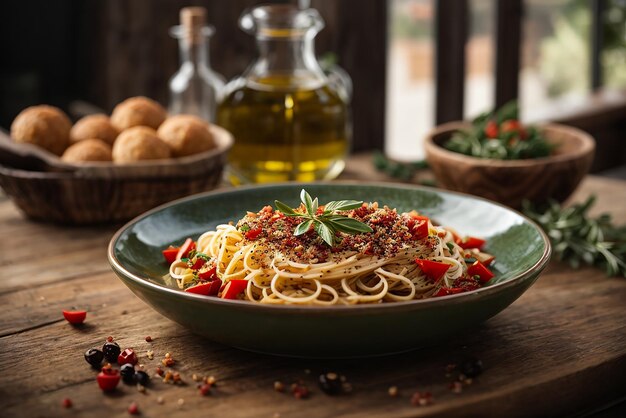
327 223
499 135
576 237
395 169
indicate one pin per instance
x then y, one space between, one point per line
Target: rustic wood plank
541 348
562 338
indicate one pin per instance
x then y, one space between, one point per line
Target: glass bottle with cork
195 89
289 121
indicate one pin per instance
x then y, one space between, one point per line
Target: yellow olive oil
285 130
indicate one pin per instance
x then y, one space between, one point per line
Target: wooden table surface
559 350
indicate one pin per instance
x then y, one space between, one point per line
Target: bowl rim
139 169
587 148
461 298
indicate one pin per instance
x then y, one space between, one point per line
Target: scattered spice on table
75 317
133 409
205 389
300 390
168 360
393 391
422 398
279 386
148 339
67 403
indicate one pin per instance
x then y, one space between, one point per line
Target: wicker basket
104 192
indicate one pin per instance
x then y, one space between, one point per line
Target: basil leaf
350 225
305 197
303 228
342 205
286 210
325 232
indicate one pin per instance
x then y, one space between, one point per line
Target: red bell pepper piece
479 269
253 233
491 129
418 225
471 242
197 265
234 288
75 317
434 270
184 249
211 288
210 274
445 291
170 254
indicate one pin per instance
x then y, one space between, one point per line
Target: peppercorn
205 389
330 383
142 378
471 367
148 339
111 350
94 357
127 371
133 409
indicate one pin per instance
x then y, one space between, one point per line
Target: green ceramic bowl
522 251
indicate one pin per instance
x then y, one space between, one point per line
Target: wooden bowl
511 181
104 192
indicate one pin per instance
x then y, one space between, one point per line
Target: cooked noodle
282 274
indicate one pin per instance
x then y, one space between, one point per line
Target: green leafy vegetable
327 223
500 135
576 237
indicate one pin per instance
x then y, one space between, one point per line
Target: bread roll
91 149
139 143
138 111
45 126
94 126
186 135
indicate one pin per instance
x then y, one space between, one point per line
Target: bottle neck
289 57
194 54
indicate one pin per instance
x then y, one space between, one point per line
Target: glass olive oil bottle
288 120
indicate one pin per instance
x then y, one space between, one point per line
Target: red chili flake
148 339
301 392
168 362
456 387
159 371
67 403
133 409
205 389
109 339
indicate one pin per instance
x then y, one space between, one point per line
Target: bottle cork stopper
193 19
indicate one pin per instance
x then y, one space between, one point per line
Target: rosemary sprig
576 237
395 169
327 223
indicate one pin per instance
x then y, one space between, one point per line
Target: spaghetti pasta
405 257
